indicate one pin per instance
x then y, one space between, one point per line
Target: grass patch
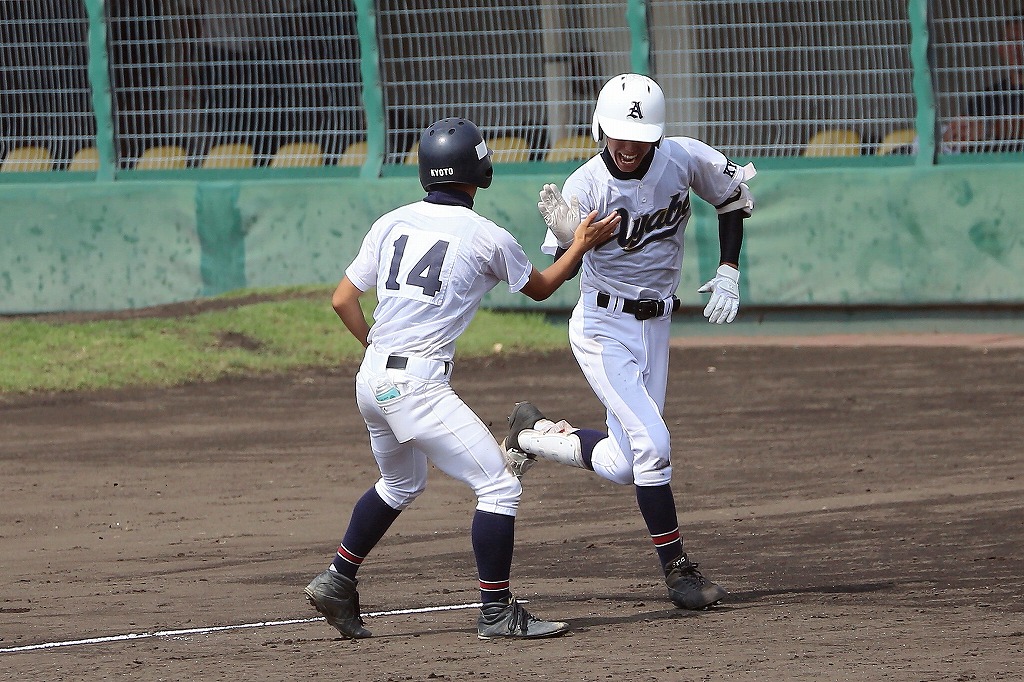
282 330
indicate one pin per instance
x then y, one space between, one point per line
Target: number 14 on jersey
420 265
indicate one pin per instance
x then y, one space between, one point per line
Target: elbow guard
741 200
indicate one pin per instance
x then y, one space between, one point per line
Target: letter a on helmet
630 107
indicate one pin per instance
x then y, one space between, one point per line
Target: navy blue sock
493 541
589 438
658 507
371 518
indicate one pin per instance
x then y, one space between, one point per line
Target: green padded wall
905 235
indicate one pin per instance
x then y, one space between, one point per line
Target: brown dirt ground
863 501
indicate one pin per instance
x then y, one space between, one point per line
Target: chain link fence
284 83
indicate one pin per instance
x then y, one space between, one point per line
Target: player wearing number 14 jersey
431 262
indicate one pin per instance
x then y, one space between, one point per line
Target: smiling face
628 154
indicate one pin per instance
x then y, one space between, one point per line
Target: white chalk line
219 628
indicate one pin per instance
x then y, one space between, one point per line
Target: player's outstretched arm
589 234
724 287
346 303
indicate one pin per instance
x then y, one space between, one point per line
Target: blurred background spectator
994 120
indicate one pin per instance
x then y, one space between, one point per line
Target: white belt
423 368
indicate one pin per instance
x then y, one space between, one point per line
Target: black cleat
499 619
688 589
337 600
524 416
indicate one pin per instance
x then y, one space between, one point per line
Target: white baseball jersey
643 261
625 359
431 264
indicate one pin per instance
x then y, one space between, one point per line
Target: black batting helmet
453 150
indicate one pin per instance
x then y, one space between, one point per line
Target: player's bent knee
653 477
661 439
654 465
500 497
610 463
619 475
396 496
498 505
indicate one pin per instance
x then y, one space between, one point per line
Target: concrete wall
839 236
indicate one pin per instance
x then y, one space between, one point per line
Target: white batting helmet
630 107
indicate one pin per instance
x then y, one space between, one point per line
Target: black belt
397 362
401 362
641 309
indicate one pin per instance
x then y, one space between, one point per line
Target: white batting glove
561 218
725 295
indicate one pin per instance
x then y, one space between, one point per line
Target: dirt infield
864 503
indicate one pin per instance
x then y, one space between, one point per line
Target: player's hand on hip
725 295
591 232
562 217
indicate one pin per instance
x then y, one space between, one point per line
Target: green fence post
373 94
640 44
917 12
99 79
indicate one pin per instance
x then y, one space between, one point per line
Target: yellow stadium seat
298 154
572 148
166 157
354 154
903 137
413 157
86 159
230 155
838 142
511 149
27 159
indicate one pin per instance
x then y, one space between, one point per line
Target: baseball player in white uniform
619 329
431 262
